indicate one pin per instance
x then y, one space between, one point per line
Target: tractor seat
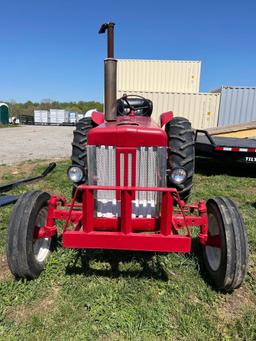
142 106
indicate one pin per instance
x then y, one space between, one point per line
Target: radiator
150 164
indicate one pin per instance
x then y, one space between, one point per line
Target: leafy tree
27 108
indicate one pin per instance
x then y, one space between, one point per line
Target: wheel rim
212 249
41 246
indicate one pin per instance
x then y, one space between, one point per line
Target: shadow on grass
253 204
196 252
137 264
208 167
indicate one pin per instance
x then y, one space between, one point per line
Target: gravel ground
35 143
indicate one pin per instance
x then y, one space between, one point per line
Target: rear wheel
79 155
181 152
27 254
79 152
226 252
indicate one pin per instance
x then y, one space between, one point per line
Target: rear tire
79 152
181 152
27 256
226 253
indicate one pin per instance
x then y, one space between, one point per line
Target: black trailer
9 199
242 150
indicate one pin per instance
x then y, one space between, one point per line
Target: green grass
125 295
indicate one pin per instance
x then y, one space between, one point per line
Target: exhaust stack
110 70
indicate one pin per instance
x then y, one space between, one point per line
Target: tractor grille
111 166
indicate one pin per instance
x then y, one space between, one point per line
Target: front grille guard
168 232
169 195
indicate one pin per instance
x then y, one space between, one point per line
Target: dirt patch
234 305
252 266
4 269
20 170
23 313
35 143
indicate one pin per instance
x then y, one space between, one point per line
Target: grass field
125 295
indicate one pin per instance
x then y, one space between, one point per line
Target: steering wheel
130 107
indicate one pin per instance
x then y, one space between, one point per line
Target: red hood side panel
128 132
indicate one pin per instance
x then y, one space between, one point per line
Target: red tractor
131 180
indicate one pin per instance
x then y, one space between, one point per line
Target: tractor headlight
178 175
75 174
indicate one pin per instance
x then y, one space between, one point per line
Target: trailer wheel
226 253
27 255
79 153
181 152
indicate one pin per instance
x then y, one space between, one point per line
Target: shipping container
72 117
58 116
158 75
4 113
200 108
237 105
41 116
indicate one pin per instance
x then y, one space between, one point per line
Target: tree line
27 108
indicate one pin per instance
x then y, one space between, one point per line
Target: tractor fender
166 117
97 117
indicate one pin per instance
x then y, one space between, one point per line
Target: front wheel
226 251
27 254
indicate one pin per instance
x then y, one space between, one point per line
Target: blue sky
51 49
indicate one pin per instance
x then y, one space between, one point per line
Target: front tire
225 254
27 255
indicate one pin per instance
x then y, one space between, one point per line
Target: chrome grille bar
150 172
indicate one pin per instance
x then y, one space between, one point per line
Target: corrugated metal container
37 116
158 75
201 109
58 116
41 116
72 117
237 105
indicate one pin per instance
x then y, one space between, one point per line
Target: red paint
236 149
166 117
88 210
125 152
132 241
45 232
203 235
166 214
138 224
98 117
128 131
83 230
126 212
49 230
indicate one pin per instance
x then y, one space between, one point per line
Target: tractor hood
128 131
